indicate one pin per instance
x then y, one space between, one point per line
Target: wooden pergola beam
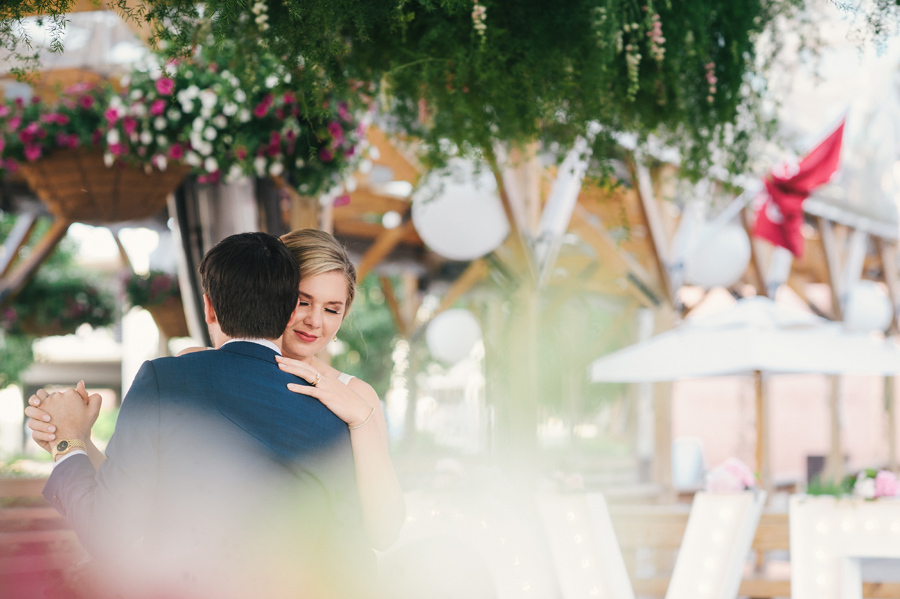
611 255
11 284
833 261
755 258
383 245
657 236
17 238
887 251
391 298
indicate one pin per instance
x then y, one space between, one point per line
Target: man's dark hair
252 281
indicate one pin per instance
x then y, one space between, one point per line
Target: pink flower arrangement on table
873 484
730 476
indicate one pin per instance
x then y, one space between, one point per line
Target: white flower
198 124
192 91
234 173
192 158
171 69
139 109
226 74
244 115
188 74
108 159
146 137
276 168
227 139
159 123
125 81
182 97
350 185
239 95
205 148
259 163
147 168
210 133
162 140
187 107
208 98
301 62
115 102
287 78
206 112
112 136
300 163
230 109
173 114
160 162
210 165
196 139
220 121
135 94
155 73
864 487
271 81
133 138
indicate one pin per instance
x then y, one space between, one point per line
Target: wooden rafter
383 245
649 207
833 261
16 279
474 273
608 253
887 251
17 238
756 264
394 305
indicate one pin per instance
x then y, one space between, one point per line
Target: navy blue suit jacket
213 456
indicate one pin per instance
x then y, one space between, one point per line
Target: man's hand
68 414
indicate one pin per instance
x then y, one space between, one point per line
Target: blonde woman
327 290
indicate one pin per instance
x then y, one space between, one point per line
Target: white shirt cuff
69 455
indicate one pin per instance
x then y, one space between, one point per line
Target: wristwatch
64 446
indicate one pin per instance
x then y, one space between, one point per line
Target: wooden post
890 411
833 260
755 257
834 463
662 417
762 433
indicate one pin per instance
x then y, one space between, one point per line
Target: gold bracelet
364 422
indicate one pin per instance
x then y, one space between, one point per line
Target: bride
327 289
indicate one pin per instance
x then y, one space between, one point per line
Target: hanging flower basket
77 185
170 319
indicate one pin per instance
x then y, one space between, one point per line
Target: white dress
345 378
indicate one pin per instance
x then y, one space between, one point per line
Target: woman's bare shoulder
190 350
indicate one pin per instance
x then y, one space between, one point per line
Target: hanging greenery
466 75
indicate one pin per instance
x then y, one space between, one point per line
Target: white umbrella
755 335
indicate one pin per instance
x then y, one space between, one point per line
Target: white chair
716 545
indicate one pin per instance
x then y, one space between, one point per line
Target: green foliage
817 486
368 333
465 76
15 357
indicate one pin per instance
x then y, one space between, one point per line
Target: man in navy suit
219 481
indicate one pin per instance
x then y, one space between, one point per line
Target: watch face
62 446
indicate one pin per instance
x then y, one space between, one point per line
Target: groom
219 481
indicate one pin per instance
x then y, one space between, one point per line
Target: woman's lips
304 337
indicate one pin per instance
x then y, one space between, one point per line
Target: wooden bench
659 529
36 543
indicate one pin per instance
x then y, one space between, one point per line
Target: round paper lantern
721 258
458 213
868 308
452 334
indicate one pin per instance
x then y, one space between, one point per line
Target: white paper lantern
720 257
452 334
868 308
458 213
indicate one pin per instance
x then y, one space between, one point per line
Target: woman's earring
335 339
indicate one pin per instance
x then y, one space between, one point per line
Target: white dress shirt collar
264 342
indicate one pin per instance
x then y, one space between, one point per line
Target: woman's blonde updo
317 252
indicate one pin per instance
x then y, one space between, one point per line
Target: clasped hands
67 414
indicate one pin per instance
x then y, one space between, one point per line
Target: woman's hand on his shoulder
190 350
344 402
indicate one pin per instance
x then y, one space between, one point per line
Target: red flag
780 217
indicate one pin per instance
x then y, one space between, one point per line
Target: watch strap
64 446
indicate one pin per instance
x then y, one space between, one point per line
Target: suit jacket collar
248 348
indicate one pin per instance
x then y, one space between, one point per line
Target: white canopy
756 334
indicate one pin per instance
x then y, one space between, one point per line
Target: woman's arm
380 494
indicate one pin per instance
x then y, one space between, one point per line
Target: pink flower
2 144
96 136
112 116
158 107
32 152
78 88
886 484
165 86
4 110
240 152
325 155
176 152
87 102
129 124
117 149
341 200
14 122
731 476
263 107
289 97
343 112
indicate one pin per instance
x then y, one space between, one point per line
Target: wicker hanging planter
170 319
76 185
